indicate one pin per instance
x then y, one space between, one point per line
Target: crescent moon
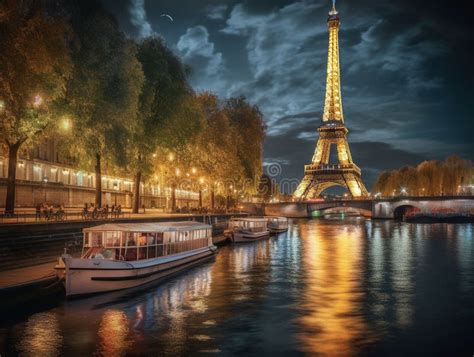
168 16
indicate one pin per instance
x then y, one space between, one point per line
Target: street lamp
66 124
37 101
45 181
403 190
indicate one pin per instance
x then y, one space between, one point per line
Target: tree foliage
34 67
429 178
102 96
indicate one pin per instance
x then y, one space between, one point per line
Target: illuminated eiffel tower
320 175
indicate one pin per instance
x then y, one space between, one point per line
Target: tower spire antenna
333 10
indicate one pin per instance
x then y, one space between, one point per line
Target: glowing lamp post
37 101
45 181
66 124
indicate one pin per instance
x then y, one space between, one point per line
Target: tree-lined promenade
117 105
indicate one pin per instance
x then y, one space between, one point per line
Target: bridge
316 209
397 207
386 208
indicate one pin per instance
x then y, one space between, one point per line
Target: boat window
86 239
130 240
159 238
151 238
186 235
112 239
96 239
142 239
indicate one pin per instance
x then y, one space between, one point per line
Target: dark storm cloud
407 80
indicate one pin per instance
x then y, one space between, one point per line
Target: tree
248 123
34 67
429 178
214 151
102 95
164 89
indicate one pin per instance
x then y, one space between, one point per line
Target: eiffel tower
320 175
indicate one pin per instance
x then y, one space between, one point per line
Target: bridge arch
402 210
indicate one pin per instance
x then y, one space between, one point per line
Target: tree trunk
212 199
11 182
98 181
173 197
200 198
136 192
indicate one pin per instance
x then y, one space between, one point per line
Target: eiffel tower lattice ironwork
320 175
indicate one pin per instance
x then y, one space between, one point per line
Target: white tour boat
248 229
277 224
125 255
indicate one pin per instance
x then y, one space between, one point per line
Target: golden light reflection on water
331 260
113 332
42 336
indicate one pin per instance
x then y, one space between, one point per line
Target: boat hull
277 230
245 237
91 276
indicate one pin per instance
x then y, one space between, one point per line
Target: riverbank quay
29 244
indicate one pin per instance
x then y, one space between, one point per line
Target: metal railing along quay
32 217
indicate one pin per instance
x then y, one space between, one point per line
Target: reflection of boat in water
277 224
248 229
121 256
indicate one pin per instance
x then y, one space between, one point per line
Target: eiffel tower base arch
314 184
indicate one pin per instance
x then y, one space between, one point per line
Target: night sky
407 77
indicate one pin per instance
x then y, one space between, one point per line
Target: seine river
327 287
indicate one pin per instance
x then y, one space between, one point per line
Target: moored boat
277 224
125 255
248 229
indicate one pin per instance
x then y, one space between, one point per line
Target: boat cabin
249 224
139 241
277 220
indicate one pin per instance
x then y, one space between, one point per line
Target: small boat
248 229
125 255
277 224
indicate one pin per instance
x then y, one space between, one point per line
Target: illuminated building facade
43 174
320 174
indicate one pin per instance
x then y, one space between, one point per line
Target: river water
326 287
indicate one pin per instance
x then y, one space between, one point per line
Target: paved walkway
25 275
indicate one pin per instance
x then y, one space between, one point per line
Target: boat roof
149 227
250 219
